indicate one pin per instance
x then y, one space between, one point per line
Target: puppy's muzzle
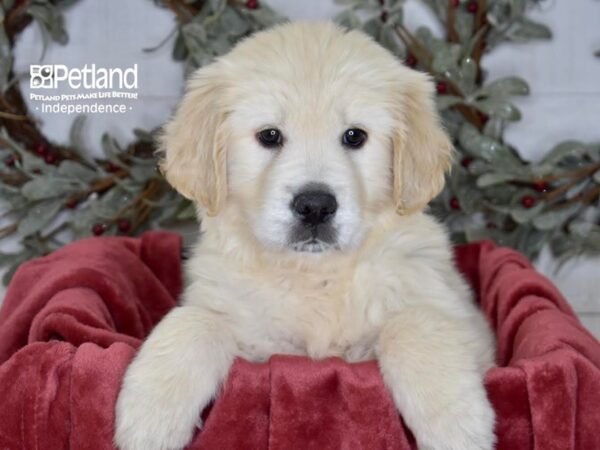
314 207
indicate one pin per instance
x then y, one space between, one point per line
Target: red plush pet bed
71 323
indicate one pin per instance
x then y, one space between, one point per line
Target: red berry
466 161
98 229
410 60
50 158
528 201
384 16
10 160
455 3
41 149
441 87
483 117
252 4
473 7
72 203
541 185
112 168
454 203
124 225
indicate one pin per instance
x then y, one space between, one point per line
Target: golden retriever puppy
311 153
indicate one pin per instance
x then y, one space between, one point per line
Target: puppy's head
307 131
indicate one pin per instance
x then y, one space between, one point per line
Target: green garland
492 192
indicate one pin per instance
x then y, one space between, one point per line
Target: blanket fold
72 321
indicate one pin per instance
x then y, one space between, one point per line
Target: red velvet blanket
71 322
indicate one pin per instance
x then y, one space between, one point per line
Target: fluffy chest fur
332 306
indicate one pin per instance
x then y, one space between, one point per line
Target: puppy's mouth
313 239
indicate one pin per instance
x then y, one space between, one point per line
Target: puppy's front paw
148 419
176 373
468 425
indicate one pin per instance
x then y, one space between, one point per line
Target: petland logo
52 76
94 90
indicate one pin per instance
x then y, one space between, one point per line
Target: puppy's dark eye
270 138
354 138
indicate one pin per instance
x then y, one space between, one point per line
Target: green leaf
73 170
142 173
39 216
446 101
483 147
32 164
187 212
574 191
493 128
348 19
233 23
6 258
180 51
582 229
50 20
11 198
218 5
425 36
6 59
445 58
463 24
530 240
195 37
524 215
388 38
528 29
111 147
6 5
474 40
475 233
468 71
83 220
593 151
107 206
554 218
143 135
490 179
478 167
396 12
563 150
504 87
76 133
476 144
16 259
517 8
262 17
41 188
498 108
373 27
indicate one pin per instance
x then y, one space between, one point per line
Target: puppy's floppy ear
422 149
193 141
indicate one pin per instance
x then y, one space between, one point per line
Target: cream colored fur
388 290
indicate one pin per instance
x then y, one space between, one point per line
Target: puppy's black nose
314 207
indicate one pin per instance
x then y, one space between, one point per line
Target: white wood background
563 74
